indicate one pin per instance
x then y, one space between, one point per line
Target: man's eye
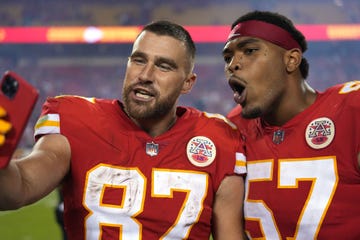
165 67
227 59
137 60
250 51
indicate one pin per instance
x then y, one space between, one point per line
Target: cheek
127 74
226 71
170 86
131 75
263 83
266 72
126 81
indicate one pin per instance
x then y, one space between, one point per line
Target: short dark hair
286 24
167 28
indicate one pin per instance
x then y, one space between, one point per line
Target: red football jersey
125 184
303 178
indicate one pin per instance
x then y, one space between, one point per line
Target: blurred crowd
97 69
137 12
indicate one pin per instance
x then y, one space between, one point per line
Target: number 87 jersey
124 184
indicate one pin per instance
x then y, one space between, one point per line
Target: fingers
2 139
5 126
2 112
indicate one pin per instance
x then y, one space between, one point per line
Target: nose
235 64
147 73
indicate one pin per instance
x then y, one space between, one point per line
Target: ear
188 83
293 59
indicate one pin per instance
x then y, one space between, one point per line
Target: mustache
236 83
234 78
143 87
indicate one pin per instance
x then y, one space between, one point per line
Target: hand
5 126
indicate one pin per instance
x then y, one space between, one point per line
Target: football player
141 168
302 145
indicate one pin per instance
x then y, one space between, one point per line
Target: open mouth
236 86
143 94
239 90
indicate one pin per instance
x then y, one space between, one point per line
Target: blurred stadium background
96 68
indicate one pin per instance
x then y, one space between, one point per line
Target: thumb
2 112
5 126
2 139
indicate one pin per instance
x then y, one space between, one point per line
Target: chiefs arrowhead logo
201 151
320 133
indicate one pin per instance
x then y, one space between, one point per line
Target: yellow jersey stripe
49 123
240 165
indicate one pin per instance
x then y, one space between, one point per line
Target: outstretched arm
228 217
31 178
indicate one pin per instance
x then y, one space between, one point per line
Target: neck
157 126
291 104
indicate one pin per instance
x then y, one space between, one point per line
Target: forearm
228 216
29 179
11 187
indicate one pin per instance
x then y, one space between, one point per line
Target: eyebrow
138 54
241 44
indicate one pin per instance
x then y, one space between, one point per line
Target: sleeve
348 95
240 164
352 89
239 150
231 150
49 120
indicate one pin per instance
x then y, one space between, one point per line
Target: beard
252 113
155 109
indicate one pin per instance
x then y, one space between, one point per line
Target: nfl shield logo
152 149
278 136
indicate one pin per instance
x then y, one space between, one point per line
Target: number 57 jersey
124 184
303 177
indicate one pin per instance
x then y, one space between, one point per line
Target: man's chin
138 111
250 114
140 114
